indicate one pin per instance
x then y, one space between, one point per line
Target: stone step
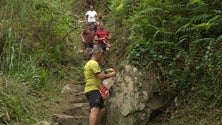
81 105
70 88
42 123
81 93
76 111
77 106
70 120
79 100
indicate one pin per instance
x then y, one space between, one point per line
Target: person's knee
95 46
103 110
107 49
95 110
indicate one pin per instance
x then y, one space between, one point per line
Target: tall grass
38 40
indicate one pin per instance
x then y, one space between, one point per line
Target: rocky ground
71 109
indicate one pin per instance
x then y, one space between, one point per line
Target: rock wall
130 103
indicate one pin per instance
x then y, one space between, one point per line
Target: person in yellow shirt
93 79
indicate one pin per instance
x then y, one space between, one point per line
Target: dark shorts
94 23
95 99
89 45
103 46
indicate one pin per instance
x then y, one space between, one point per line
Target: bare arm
86 16
103 76
109 37
96 38
82 38
97 18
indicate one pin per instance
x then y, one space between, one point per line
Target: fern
183 28
219 38
150 11
200 18
172 29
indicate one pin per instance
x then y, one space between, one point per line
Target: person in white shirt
91 16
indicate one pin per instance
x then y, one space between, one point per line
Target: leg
94 116
86 53
106 57
107 52
101 114
88 49
97 107
94 26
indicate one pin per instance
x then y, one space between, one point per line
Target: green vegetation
39 44
181 40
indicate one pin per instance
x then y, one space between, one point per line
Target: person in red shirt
102 36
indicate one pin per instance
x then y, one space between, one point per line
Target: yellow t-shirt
90 70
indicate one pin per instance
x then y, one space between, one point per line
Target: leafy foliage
182 37
37 40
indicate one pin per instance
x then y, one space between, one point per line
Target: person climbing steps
87 38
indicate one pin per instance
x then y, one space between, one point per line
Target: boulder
132 100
